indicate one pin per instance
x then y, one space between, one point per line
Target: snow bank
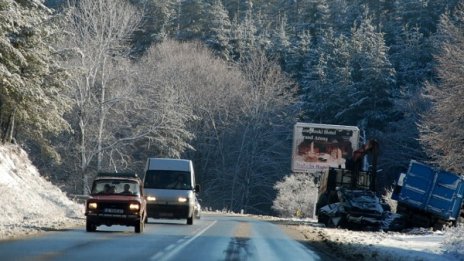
29 202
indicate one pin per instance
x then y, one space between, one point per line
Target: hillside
29 202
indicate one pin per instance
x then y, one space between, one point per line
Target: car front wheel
90 227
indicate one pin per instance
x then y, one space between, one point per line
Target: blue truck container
429 195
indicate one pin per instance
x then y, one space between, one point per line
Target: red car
116 199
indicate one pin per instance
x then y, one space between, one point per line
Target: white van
170 188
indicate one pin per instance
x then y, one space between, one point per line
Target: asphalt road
213 237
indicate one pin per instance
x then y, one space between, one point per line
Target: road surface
213 237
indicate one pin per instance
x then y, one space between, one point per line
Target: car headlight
93 205
151 198
134 206
182 199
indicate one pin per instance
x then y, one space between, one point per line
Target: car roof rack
117 174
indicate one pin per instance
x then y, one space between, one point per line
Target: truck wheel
139 226
90 227
190 220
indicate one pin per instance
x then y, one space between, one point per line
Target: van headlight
151 198
134 206
182 199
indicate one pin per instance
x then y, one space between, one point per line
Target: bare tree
264 129
243 140
212 90
97 34
161 87
441 127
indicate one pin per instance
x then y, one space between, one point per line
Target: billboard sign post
316 147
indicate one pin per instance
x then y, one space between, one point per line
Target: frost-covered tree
296 196
297 52
373 76
441 127
157 23
163 107
217 35
411 56
95 44
242 135
32 103
243 36
280 41
326 80
190 20
266 113
422 13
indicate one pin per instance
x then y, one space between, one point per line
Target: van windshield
168 179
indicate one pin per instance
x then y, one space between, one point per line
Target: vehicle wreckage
347 197
426 197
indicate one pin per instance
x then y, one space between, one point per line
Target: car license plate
114 210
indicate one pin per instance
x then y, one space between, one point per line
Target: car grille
112 207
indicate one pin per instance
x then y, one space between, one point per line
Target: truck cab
170 187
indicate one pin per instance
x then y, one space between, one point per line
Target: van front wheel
190 220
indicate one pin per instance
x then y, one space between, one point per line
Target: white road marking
177 248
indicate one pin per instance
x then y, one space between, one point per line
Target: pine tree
326 81
218 32
297 51
31 86
373 76
190 20
243 37
158 23
281 41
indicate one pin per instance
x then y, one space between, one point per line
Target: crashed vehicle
428 196
356 210
347 197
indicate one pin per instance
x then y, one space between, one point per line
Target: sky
32 205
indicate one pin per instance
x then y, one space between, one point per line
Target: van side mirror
197 188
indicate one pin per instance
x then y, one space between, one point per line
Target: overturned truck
429 197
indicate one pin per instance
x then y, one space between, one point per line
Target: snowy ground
417 244
31 204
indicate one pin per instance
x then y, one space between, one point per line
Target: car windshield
115 187
168 179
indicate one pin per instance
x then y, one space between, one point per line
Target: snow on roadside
418 244
30 203
383 246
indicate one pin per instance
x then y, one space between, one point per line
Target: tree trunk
83 157
9 130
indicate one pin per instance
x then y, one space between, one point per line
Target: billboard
317 147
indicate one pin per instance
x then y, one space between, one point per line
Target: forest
89 86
